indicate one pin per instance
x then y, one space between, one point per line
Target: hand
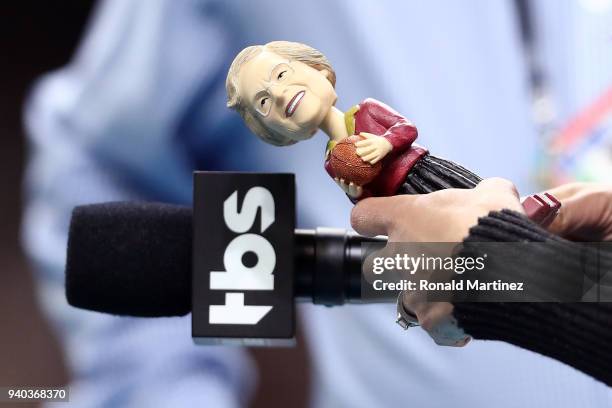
586 211
442 216
351 189
373 148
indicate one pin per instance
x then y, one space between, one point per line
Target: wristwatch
405 318
445 334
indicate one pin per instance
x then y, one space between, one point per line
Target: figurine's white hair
293 51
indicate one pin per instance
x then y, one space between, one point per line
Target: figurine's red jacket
375 117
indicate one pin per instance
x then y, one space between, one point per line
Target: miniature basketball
347 165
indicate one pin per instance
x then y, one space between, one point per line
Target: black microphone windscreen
130 258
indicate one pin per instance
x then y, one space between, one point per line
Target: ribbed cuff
551 268
578 334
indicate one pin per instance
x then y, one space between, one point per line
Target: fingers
362 151
373 148
354 190
375 160
368 139
571 220
370 153
568 190
561 222
374 216
364 143
585 214
342 184
371 157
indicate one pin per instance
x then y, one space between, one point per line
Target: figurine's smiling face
288 97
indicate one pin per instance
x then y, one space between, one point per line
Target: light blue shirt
142 104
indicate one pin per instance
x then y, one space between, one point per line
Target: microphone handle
328 265
328 260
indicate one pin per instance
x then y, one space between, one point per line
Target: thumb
373 216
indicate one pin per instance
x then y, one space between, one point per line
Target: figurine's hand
372 148
351 189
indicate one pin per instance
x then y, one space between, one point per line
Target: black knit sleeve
578 334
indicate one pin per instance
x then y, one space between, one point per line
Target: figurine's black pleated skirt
433 173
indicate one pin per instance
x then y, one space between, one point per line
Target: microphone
235 261
135 259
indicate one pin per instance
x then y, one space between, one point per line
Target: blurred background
122 99
36 37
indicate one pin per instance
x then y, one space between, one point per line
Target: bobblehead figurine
285 93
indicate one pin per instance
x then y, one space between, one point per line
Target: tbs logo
243 262
237 277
